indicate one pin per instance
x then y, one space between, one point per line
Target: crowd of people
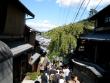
57 73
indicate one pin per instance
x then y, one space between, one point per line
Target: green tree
64 38
92 12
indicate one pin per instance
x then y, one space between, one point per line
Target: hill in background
64 38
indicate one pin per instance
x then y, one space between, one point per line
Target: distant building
35 57
44 42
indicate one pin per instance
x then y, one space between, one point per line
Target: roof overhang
100 13
33 58
20 6
96 37
21 48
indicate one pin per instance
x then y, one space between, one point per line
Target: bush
33 75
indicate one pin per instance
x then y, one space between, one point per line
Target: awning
96 37
19 5
43 48
21 48
34 58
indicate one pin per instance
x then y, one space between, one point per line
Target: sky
53 13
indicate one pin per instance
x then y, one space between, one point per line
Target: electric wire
78 11
98 4
85 9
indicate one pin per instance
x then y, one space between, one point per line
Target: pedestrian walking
44 78
66 73
74 79
61 80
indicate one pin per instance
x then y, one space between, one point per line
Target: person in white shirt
61 80
66 73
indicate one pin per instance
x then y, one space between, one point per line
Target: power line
98 4
85 9
78 10
87 5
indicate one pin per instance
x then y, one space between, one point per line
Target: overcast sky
52 13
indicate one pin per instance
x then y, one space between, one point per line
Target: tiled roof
34 58
21 48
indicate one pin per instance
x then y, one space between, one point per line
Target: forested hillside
64 38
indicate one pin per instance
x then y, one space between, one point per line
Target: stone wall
6 71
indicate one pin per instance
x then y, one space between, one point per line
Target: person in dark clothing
57 77
70 74
47 68
44 78
52 71
36 82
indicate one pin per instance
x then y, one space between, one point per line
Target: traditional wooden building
12 32
13 18
35 56
91 57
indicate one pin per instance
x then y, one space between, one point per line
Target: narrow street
55 41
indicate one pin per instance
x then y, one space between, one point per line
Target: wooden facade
91 57
13 18
30 37
102 20
15 21
12 32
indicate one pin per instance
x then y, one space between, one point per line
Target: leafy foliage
92 12
64 38
33 75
